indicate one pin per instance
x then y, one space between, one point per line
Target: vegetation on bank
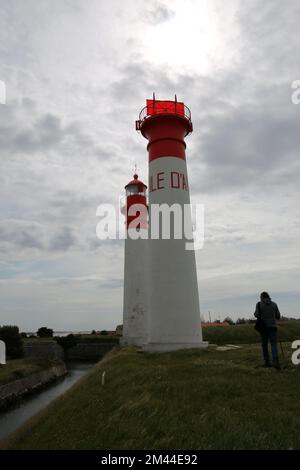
45 332
189 399
242 333
19 368
13 341
246 334
80 338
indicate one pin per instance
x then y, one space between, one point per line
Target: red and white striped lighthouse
135 301
173 303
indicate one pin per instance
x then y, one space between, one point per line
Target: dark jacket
269 312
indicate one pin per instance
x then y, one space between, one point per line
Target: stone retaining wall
43 349
89 350
13 390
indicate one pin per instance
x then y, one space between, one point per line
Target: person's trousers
269 334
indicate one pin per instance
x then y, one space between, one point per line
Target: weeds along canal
12 418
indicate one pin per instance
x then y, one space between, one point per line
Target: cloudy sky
77 73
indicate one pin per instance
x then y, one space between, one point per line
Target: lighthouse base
165 347
132 341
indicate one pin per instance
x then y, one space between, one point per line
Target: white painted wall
174 312
135 305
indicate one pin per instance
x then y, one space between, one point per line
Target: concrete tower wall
136 282
174 312
135 304
174 301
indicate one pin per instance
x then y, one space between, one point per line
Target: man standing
267 313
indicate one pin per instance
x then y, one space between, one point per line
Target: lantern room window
132 190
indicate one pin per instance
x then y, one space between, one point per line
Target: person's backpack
259 324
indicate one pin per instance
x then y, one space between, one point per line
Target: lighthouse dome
135 186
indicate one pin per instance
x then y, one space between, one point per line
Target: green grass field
246 334
190 399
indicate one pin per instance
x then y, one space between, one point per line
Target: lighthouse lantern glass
162 107
131 190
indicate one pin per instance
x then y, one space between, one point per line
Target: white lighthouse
173 302
136 282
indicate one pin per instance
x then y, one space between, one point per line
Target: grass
189 399
246 334
19 368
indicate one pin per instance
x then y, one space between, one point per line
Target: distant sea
62 333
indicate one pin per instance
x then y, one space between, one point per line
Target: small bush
13 341
45 332
66 342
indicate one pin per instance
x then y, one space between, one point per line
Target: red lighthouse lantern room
136 195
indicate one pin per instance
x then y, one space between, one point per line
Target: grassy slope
19 368
180 400
245 334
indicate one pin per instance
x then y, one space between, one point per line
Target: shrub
13 341
66 342
45 332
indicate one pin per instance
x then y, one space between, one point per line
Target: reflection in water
13 418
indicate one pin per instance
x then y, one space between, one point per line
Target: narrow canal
13 418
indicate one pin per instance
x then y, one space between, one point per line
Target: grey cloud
22 234
247 149
159 13
270 37
62 240
95 244
223 234
140 77
43 133
26 235
112 283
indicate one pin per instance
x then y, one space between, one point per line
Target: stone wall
82 351
13 390
43 349
89 350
